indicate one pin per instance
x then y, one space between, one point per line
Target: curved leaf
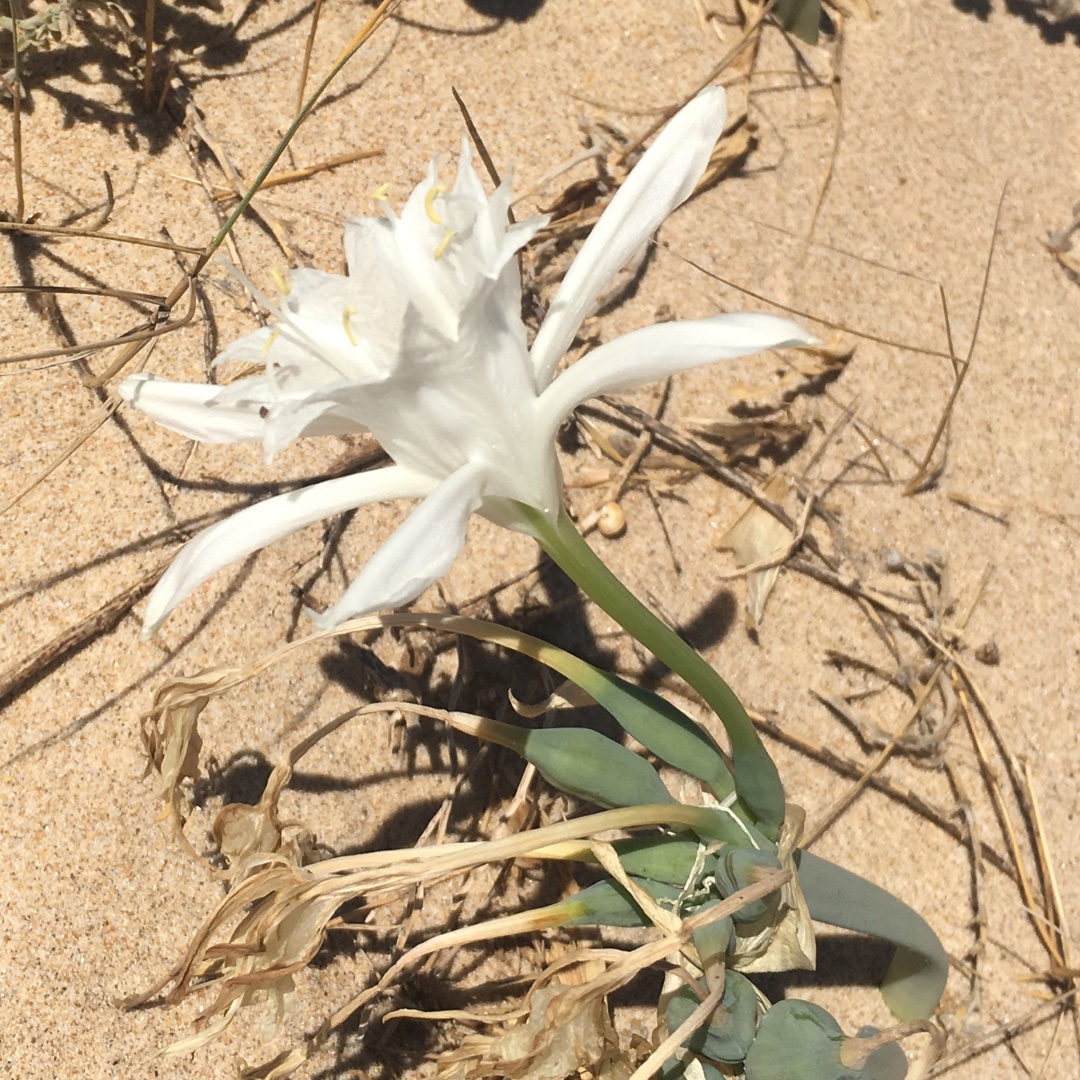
798 1040
916 977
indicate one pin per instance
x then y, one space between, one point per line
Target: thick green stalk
756 780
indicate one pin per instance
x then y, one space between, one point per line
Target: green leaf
713 940
888 1062
739 867
662 858
729 1032
586 764
916 977
607 903
661 727
799 17
755 776
798 1040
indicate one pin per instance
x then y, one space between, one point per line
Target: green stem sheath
757 781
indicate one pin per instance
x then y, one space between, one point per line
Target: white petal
256 526
417 555
664 349
418 235
250 349
663 178
376 277
190 409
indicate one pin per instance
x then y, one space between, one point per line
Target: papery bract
422 344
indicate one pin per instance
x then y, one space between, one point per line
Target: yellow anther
381 193
281 281
346 315
270 341
429 203
444 243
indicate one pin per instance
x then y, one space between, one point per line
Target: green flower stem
757 781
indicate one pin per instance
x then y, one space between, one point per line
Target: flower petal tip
319 619
129 387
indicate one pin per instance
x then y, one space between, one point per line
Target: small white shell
612 520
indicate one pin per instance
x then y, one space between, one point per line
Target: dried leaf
555 1041
171 739
244 833
283 926
751 439
567 695
241 830
786 943
758 538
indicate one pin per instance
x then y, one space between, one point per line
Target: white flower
422 344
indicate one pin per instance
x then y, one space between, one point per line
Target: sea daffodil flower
422 344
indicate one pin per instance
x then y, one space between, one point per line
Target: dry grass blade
34 229
917 482
924 692
1004 1033
133 340
904 796
810 316
481 148
1063 966
1035 905
106 618
292 176
133 343
830 816
1039 893
713 466
148 54
746 39
301 88
100 417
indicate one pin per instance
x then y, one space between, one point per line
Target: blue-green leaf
588 765
916 977
799 17
798 1040
727 1035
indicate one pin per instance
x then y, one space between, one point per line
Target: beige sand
941 111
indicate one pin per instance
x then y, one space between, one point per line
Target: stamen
281 281
382 201
346 315
246 283
429 203
270 341
444 243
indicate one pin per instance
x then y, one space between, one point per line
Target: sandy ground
861 197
